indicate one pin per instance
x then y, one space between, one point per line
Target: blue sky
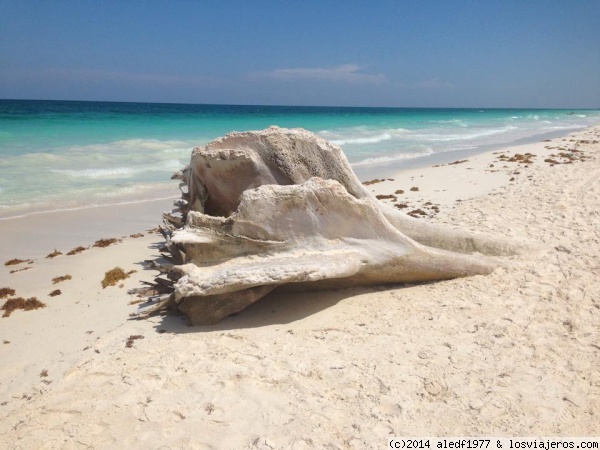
447 53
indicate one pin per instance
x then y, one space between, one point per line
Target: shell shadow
277 308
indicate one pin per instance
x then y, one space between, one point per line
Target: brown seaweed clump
66 277
55 292
414 189
6 292
15 261
136 235
113 276
54 254
101 243
416 213
76 250
526 159
452 163
131 339
370 182
12 304
387 197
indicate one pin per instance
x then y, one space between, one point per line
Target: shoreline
515 352
392 168
37 235
79 208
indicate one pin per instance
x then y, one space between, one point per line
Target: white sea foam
114 172
437 136
136 144
363 140
185 150
361 135
120 172
392 158
461 123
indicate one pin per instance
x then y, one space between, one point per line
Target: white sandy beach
514 353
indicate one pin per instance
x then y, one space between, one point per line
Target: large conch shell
282 207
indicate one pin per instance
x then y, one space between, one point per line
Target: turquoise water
58 155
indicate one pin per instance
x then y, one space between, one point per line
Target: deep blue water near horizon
69 154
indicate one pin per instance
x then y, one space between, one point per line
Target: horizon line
300 106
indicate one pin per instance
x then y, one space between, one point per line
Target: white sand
515 353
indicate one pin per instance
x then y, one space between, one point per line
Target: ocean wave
436 136
183 150
567 127
361 135
119 172
363 140
139 144
39 158
114 172
392 158
462 123
119 153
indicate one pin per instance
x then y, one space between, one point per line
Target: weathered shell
282 207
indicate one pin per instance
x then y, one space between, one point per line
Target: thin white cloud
347 73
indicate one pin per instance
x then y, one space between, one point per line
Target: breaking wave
363 140
392 158
361 135
120 172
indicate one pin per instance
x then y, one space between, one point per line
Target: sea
60 155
